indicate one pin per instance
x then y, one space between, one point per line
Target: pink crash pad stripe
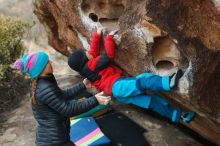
88 137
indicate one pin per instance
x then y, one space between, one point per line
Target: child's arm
110 45
95 43
103 61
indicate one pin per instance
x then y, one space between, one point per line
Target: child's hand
87 83
103 99
100 29
113 32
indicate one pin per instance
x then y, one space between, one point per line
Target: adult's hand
103 99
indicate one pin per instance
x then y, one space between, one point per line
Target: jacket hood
77 60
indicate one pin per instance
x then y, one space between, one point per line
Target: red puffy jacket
109 74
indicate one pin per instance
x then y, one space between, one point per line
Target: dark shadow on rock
121 130
187 131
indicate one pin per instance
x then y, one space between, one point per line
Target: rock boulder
156 36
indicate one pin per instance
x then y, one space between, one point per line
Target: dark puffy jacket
53 109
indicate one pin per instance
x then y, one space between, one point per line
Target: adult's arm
55 100
73 91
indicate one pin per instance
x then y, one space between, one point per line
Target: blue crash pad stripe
82 128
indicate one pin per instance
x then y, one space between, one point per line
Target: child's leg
142 100
163 107
149 81
126 87
155 103
159 105
132 86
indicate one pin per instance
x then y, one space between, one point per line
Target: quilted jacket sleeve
73 91
54 98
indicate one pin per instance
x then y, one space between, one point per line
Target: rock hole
109 23
166 56
164 64
70 27
94 17
104 11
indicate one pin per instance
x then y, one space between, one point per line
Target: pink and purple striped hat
32 63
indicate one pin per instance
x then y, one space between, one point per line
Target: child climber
105 76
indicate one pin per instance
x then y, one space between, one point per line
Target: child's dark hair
33 90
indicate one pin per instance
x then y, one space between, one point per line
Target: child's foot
174 78
186 117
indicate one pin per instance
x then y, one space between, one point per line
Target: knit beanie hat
77 60
32 64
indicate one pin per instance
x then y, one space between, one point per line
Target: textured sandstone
158 36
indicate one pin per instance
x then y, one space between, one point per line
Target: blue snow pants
131 90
